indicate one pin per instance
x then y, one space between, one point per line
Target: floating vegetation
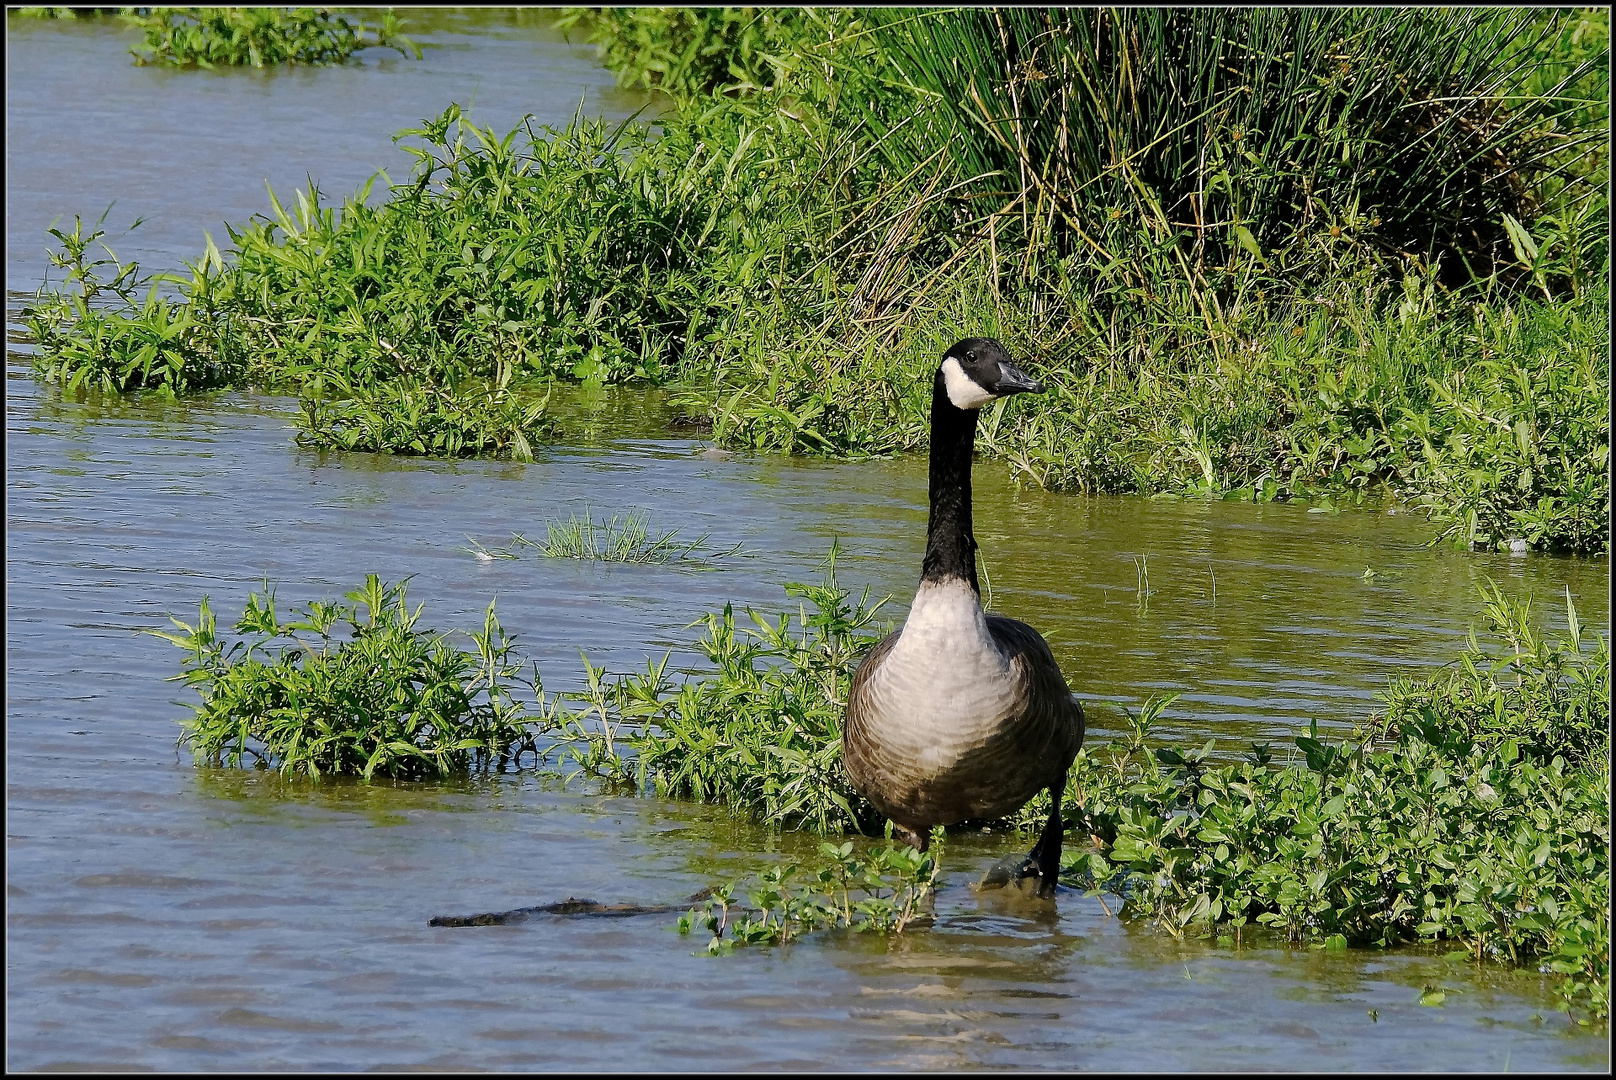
336 692
884 890
629 542
258 36
427 421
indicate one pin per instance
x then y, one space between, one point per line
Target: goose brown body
961 715
945 731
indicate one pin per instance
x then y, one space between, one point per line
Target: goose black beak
1012 380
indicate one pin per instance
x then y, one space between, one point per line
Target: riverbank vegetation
1253 253
1472 809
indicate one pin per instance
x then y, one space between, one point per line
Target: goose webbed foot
1041 864
1011 870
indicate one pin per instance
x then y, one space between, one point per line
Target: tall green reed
1218 149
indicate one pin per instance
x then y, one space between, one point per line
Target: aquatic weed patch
1550 698
882 890
337 692
1453 829
1475 810
103 335
258 36
426 421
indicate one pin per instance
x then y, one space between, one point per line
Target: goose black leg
1042 862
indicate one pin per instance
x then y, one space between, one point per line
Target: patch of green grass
1210 147
628 542
257 36
335 692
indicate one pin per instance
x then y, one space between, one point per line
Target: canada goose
962 714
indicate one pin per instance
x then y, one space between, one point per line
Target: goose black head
978 370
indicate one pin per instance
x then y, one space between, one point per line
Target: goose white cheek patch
963 390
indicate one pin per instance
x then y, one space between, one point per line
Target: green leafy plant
1458 828
761 732
397 418
334 692
103 336
691 50
1550 698
257 36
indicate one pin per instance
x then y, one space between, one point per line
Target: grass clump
1439 823
884 890
1211 147
335 692
607 541
257 36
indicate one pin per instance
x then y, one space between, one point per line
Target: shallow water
169 917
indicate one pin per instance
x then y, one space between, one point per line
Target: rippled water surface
169 917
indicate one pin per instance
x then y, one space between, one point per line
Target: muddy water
169 917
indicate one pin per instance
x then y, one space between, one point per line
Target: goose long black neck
950 543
